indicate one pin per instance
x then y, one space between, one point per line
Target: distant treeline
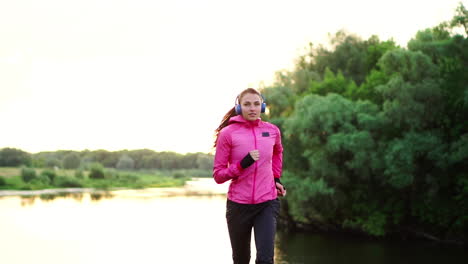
376 135
123 159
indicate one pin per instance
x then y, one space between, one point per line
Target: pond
166 225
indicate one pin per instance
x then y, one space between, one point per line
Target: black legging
262 217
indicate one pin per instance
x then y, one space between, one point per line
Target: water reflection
169 225
99 196
197 187
304 248
29 200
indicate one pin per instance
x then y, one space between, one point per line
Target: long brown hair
232 112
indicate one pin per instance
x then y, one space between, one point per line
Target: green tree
138 157
411 66
349 54
13 157
461 18
170 160
106 158
151 161
338 139
53 162
450 54
188 161
204 161
125 163
280 101
367 90
332 83
71 161
389 151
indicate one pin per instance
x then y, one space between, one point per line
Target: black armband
247 161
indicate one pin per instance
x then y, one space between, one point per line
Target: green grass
7 172
113 179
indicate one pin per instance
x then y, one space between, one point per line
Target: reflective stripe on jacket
254 184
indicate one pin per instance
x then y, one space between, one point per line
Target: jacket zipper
256 165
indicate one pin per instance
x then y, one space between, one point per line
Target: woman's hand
250 158
280 189
255 154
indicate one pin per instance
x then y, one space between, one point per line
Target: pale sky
160 74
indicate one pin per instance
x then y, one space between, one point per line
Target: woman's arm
278 164
222 169
277 158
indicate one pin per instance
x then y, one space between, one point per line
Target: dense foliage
124 159
376 135
11 157
14 178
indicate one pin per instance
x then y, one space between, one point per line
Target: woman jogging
249 153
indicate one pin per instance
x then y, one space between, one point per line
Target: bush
197 173
79 174
28 174
62 181
111 174
128 177
40 182
178 175
50 174
2 181
96 171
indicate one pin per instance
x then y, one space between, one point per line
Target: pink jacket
254 184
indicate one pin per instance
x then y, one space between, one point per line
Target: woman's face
251 105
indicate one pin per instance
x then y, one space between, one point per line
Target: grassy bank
37 179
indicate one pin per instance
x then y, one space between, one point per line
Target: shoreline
195 186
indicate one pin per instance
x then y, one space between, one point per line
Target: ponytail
224 123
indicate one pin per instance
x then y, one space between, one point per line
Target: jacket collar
240 119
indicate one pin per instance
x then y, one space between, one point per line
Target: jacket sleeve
222 169
277 156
